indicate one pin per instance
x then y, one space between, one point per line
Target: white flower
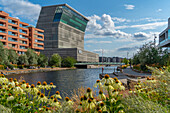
10 98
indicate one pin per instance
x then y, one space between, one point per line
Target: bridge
96 64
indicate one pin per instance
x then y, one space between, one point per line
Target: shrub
21 66
55 60
15 65
1 67
68 62
10 66
136 67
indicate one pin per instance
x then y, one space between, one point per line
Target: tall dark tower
64 30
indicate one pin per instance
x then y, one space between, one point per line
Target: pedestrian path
127 76
130 73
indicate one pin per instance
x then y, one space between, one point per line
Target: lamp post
102 63
155 40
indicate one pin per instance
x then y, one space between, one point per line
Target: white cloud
118 20
98 42
105 51
92 24
21 8
141 36
158 10
144 26
129 7
149 19
103 26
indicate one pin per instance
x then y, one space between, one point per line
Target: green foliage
126 61
150 96
21 66
137 104
149 54
32 57
68 62
12 56
2 67
42 60
10 66
55 60
3 55
23 59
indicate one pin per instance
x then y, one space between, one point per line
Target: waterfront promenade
128 76
22 71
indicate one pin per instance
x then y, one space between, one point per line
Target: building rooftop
70 8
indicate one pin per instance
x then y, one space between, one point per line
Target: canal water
65 80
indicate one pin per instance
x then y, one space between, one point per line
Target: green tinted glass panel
69 17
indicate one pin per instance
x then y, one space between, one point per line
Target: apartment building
18 35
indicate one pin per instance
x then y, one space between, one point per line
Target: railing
40 33
2 31
21 31
12 40
2 18
21 47
22 26
22 37
2 25
14 29
10 21
39 46
12 34
40 37
40 42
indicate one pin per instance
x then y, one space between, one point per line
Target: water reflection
66 80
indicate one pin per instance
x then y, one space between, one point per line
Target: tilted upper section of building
18 35
64 27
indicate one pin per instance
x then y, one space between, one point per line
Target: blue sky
116 26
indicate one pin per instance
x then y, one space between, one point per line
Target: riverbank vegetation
9 59
150 55
150 96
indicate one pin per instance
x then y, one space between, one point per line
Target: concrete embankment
21 71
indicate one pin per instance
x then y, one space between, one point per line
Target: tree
13 56
23 60
55 60
3 55
68 62
32 57
135 59
42 60
126 61
149 54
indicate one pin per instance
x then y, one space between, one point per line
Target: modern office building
64 30
164 37
18 35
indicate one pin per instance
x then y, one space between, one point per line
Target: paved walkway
129 72
127 75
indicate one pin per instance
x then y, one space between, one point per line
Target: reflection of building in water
64 30
164 37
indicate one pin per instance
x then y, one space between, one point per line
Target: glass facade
168 34
69 17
